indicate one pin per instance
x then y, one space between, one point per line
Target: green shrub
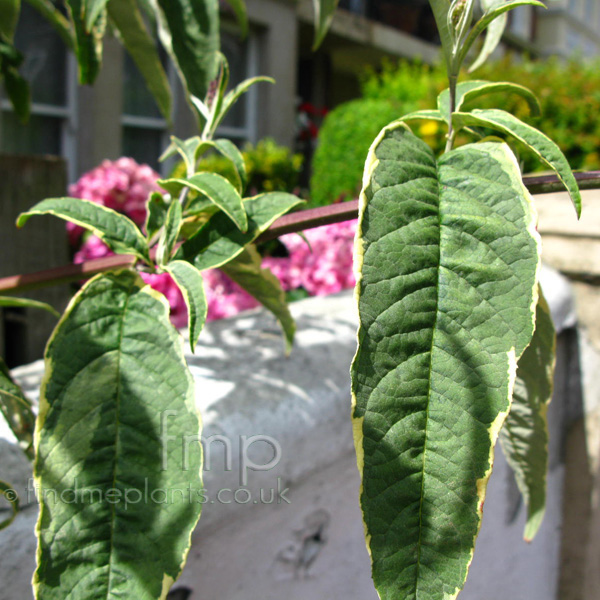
270 167
344 141
400 88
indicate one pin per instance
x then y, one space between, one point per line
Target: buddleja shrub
456 345
455 338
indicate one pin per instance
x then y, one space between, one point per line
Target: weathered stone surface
308 542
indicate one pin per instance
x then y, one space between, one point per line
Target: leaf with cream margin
524 437
447 257
119 497
245 269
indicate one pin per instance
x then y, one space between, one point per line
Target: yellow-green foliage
270 167
400 88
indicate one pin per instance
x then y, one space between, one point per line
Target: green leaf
542 146
220 240
92 10
232 97
219 191
440 10
228 149
156 213
241 14
245 269
117 231
424 115
88 41
120 497
189 150
26 303
524 437
447 255
193 40
189 281
60 23
471 90
128 20
460 17
10 495
485 21
324 11
17 90
493 35
170 233
9 16
16 409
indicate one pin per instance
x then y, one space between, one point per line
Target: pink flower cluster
323 268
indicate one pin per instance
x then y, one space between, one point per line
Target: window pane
236 53
137 100
45 58
143 145
41 135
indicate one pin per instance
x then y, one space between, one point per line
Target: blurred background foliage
402 87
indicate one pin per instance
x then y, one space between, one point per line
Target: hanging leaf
494 33
241 14
193 40
9 16
221 240
16 409
245 269
471 90
128 21
117 231
324 11
119 497
189 281
88 40
542 146
447 257
27 303
60 23
524 437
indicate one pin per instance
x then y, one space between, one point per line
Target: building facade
117 117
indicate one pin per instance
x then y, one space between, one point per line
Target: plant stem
452 80
294 222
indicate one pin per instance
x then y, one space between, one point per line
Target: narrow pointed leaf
128 20
324 11
88 41
27 303
219 191
220 240
245 269
440 12
241 14
524 437
17 90
60 23
189 150
9 15
194 40
116 398
9 494
16 409
228 149
447 257
471 90
542 146
156 213
189 281
232 97
119 232
493 35
170 233
487 18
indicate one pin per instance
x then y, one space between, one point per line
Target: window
51 75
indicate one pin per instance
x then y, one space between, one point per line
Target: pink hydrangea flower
124 186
